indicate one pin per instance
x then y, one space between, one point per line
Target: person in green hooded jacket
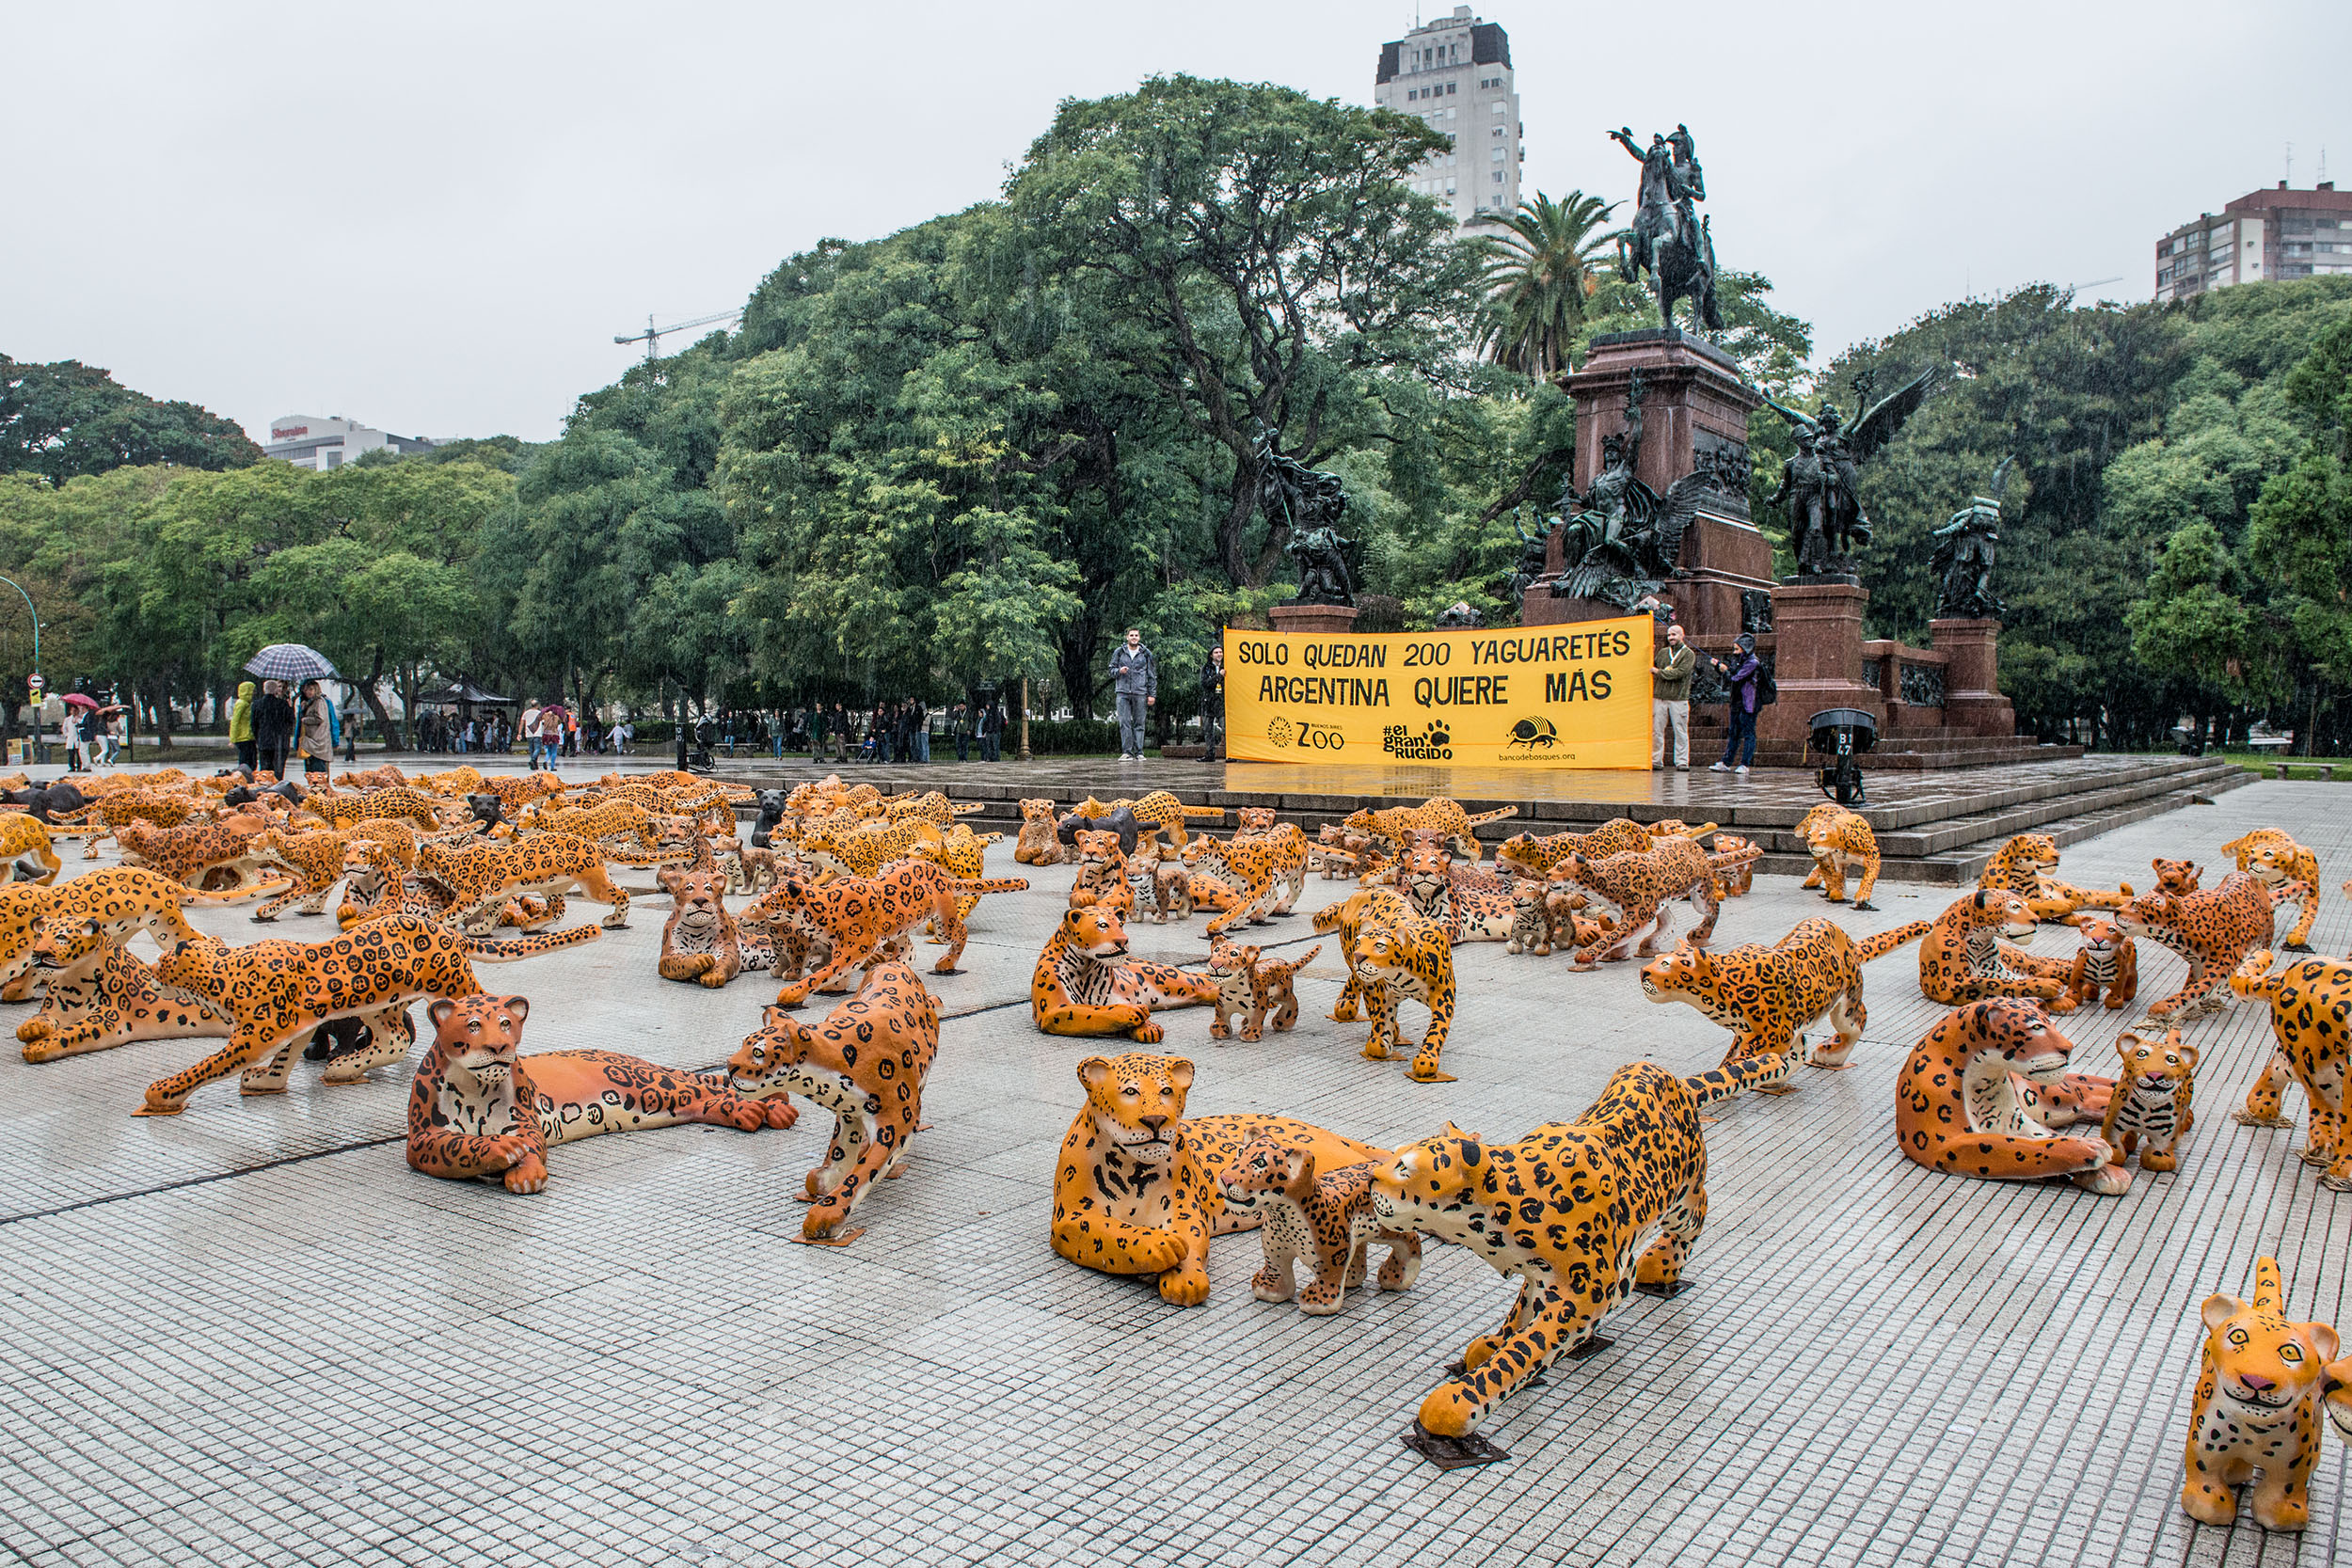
241 727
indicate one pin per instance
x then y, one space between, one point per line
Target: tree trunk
1075 660
162 710
1241 504
392 736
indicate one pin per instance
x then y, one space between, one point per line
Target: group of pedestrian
92 737
551 730
1672 668
271 729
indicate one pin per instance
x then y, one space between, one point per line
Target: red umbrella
74 699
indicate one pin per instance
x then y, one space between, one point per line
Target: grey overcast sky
434 218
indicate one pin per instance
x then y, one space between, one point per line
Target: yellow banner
1575 695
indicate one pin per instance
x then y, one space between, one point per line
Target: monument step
1935 828
1961 866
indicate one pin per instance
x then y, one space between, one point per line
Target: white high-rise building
1455 73
309 441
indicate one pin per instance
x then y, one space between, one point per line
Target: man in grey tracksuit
1136 675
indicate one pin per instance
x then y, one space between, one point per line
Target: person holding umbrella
78 718
314 730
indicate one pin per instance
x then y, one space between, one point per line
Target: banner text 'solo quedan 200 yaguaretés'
1576 695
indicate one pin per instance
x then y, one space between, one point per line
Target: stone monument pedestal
1694 414
1972 697
1320 618
1816 639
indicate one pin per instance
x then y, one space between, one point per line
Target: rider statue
1667 238
1663 204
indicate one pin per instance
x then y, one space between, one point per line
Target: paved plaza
251 1335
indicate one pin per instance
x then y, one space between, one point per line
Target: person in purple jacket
1744 675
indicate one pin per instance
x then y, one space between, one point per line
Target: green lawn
2297 768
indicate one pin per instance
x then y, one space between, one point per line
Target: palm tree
1538 276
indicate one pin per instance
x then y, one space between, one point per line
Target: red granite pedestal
1816 636
1971 698
1324 619
1694 414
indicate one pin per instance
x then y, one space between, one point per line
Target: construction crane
653 335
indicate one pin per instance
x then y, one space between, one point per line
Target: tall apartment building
308 441
1455 73
2261 235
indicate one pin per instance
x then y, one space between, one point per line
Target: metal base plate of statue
1453 1453
1661 432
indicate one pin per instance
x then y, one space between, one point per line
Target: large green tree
1263 261
68 419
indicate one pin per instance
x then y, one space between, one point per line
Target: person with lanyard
1672 665
1745 676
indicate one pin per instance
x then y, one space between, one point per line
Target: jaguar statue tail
989 884
507 950
2253 977
1495 816
1886 942
665 857
1749 1073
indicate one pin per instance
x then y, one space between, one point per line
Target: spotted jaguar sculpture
2262 1385
1581 1213
1395 825
1769 996
2311 1019
1322 1220
1084 985
1985 1093
1839 844
2275 860
866 918
866 1062
100 996
2149 1111
701 941
1631 891
1138 1189
480 1110
277 993
1963 959
2212 929
2025 866
1254 988
2106 961
1401 959
1526 855
24 844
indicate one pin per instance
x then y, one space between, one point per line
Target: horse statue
1680 273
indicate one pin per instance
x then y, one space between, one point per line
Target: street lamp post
36 615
